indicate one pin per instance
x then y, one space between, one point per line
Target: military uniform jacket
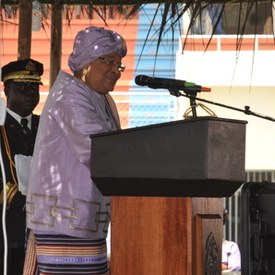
19 143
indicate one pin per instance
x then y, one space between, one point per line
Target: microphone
167 83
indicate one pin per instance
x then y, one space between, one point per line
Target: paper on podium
23 164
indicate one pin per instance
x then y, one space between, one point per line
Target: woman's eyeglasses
112 63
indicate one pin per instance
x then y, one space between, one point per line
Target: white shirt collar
18 117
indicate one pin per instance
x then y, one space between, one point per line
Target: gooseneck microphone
167 83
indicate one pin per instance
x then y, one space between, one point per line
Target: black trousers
15 262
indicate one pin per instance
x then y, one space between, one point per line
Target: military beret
26 70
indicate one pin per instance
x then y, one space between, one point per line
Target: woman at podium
67 215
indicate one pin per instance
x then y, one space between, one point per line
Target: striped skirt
51 253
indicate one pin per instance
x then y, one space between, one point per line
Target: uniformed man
21 86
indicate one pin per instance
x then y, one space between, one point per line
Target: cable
4 206
4 212
4 191
2 120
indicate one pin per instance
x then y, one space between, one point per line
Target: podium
167 182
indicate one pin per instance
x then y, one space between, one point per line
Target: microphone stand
192 93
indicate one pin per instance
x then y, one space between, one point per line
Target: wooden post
56 40
25 29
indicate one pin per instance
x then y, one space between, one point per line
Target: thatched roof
172 10
131 2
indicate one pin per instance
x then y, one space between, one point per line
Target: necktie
26 129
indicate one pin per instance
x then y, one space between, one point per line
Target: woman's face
103 73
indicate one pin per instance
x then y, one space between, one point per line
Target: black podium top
198 157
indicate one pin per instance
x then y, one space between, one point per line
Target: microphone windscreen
140 80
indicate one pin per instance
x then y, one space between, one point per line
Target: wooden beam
128 2
25 29
94 2
56 40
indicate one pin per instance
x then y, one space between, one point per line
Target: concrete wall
238 79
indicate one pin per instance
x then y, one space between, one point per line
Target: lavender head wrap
92 43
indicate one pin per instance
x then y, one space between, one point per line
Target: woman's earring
84 72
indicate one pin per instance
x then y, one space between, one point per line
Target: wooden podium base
166 236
